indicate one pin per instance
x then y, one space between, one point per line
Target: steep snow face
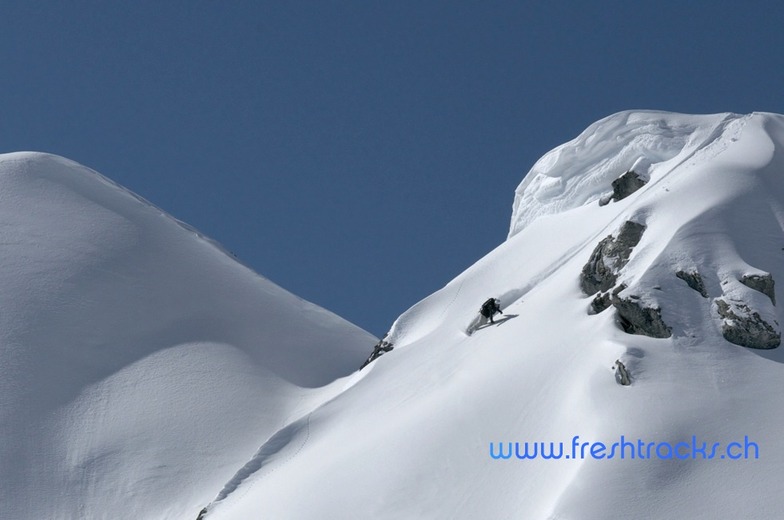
410 436
140 364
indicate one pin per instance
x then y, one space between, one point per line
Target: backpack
488 307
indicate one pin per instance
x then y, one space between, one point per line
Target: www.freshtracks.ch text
625 449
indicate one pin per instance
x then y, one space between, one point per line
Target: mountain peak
649 142
130 345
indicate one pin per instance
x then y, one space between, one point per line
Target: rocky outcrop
600 303
742 325
693 280
609 257
626 184
378 350
745 327
600 275
762 283
635 318
621 374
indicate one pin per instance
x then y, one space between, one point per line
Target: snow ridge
410 437
139 364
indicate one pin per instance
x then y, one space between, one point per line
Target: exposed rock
202 513
626 184
762 283
693 280
635 318
745 327
621 374
378 350
600 303
609 257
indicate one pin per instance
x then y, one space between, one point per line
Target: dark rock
629 236
635 318
621 374
626 184
609 257
378 350
693 280
745 327
600 303
762 283
202 514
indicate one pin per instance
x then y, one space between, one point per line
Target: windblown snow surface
410 437
140 364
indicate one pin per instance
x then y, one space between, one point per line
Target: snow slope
140 364
410 436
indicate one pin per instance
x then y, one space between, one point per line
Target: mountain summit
140 364
634 371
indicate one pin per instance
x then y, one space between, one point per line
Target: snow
140 364
145 373
580 171
410 438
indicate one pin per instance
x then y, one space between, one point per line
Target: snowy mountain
640 330
634 372
140 364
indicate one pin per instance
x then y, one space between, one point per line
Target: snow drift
412 436
140 364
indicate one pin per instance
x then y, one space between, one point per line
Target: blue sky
360 154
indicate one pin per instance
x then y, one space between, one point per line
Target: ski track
278 442
275 444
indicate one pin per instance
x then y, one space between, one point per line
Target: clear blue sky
361 153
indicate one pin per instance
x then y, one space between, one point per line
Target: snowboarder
490 308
